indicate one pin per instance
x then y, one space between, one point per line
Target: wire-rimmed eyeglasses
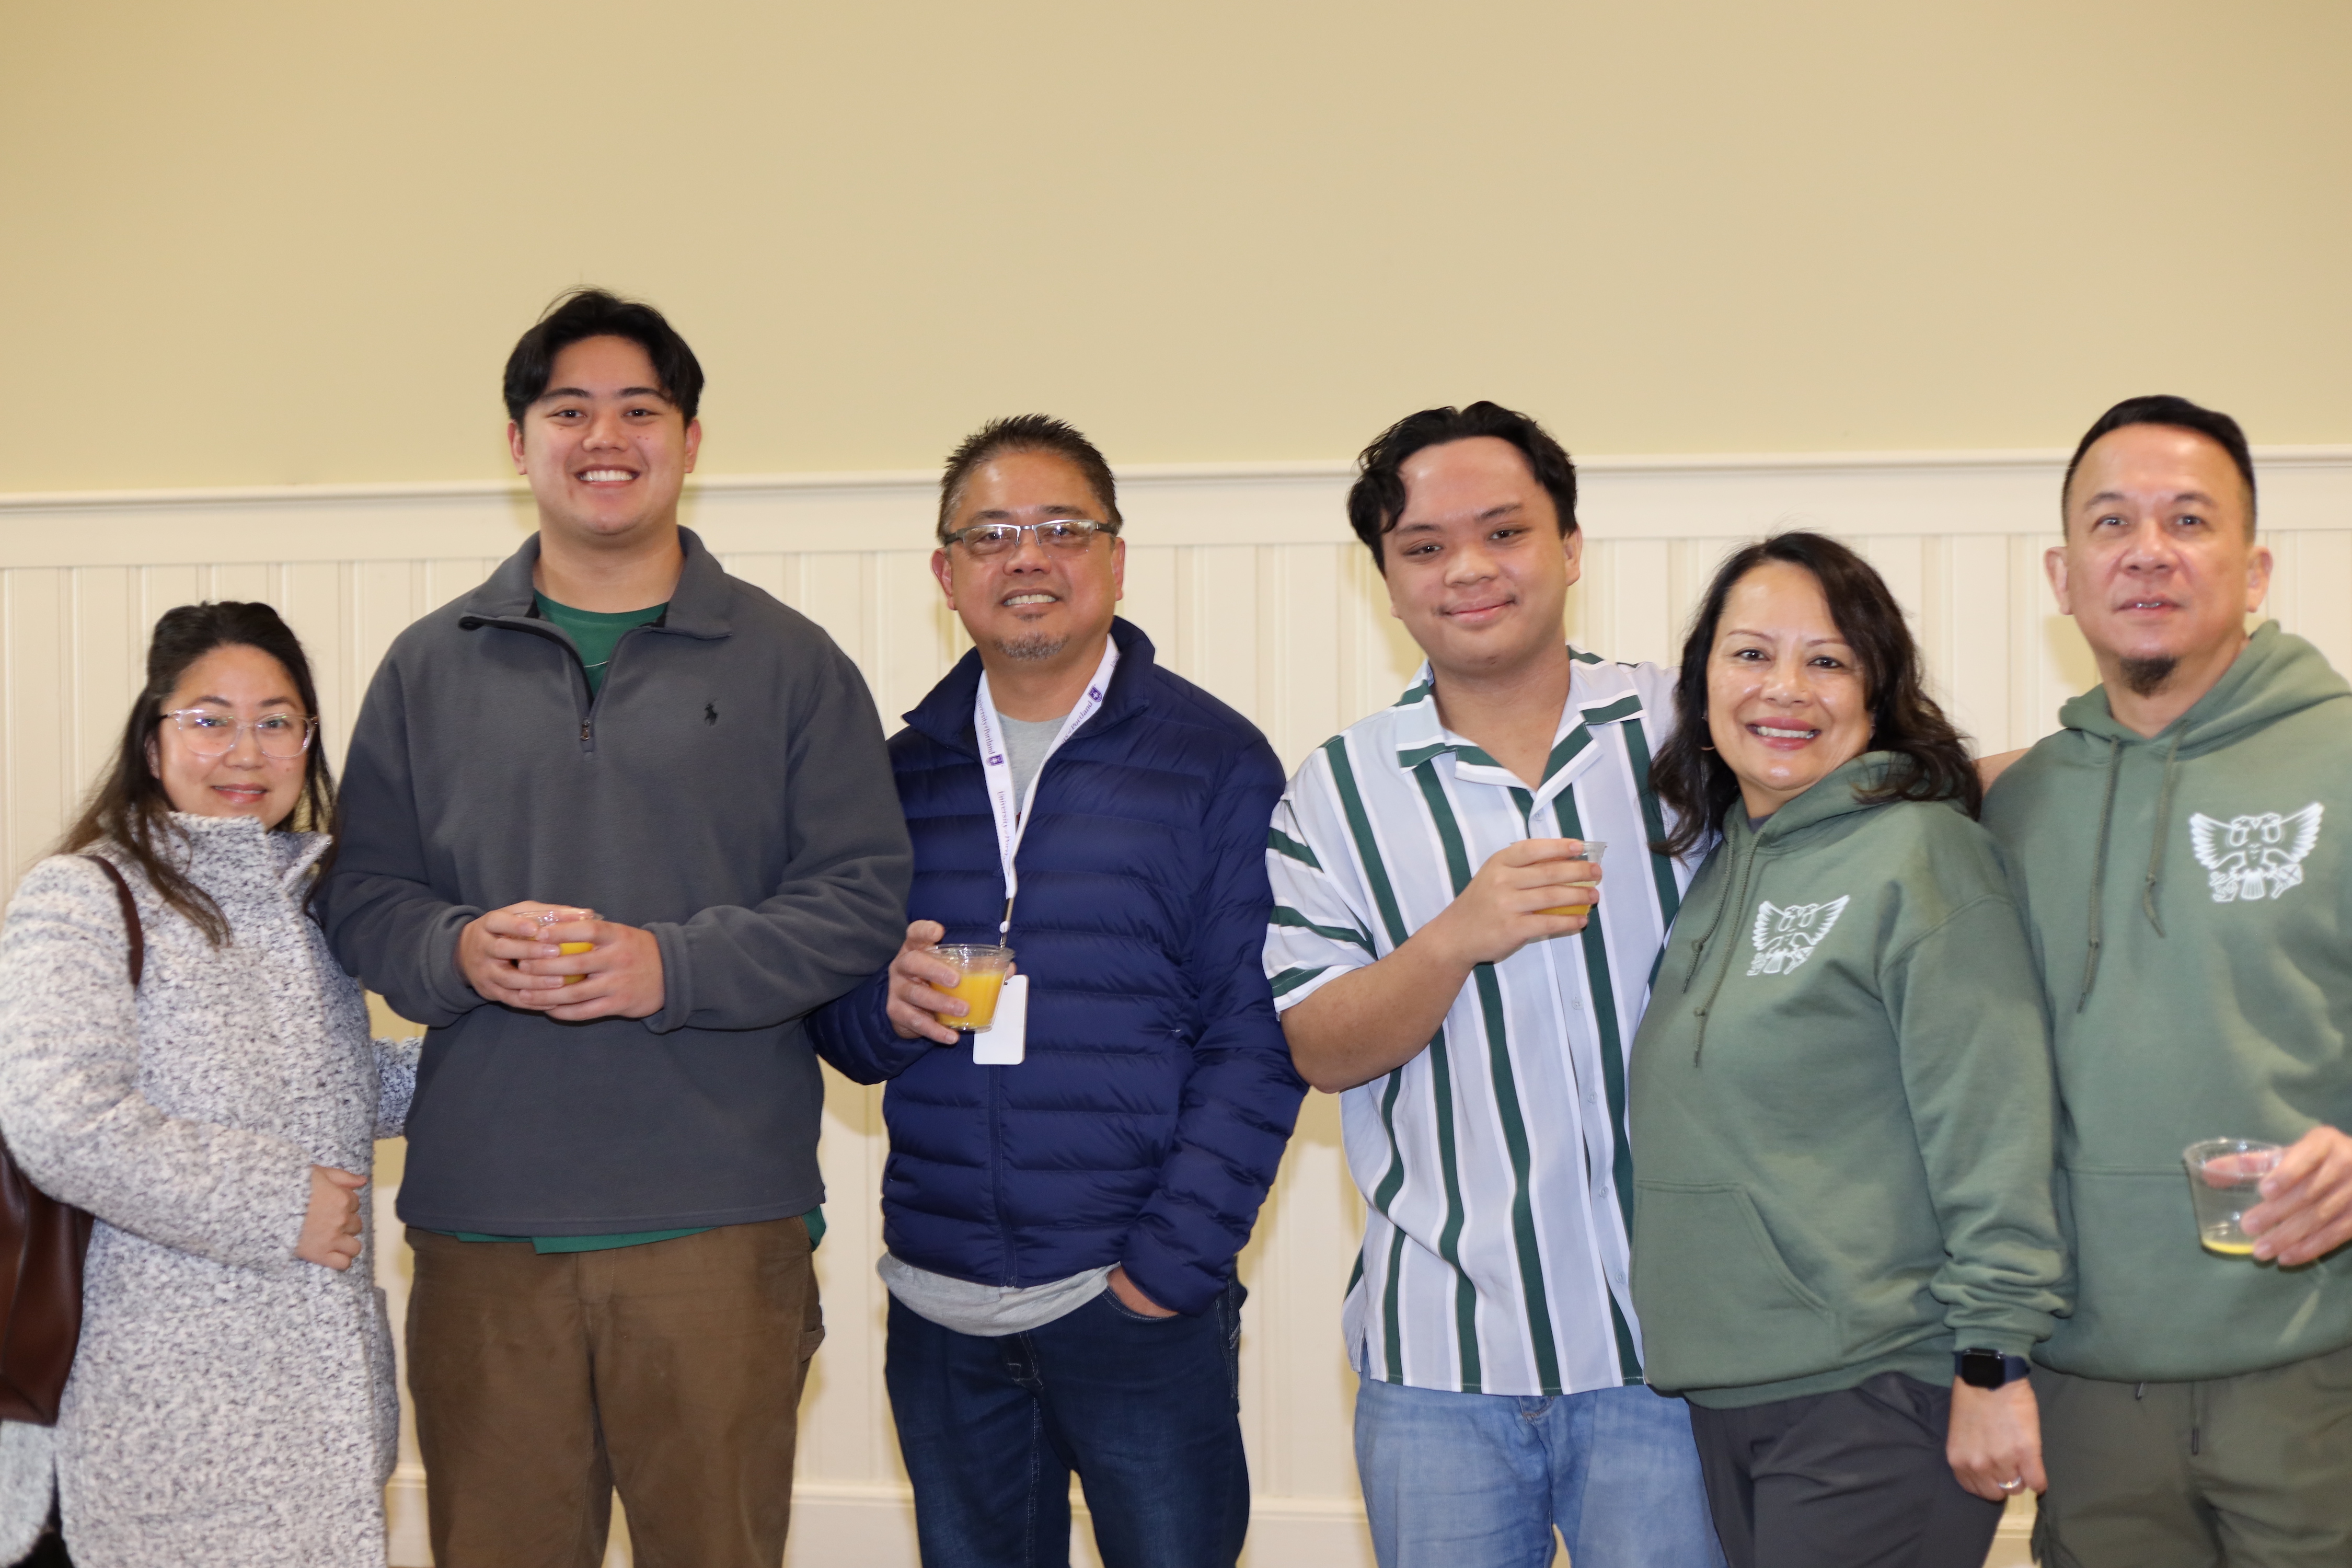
207 732
1066 533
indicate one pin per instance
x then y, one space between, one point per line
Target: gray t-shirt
992 1310
1027 741
989 1311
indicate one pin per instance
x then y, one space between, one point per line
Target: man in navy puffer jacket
1061 1231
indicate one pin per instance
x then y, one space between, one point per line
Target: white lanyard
1012 819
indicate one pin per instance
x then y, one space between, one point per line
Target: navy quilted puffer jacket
1145 1124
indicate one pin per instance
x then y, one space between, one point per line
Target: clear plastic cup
2225 1179
980 971
1593 849
567 949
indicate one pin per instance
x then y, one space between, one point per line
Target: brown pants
671 1370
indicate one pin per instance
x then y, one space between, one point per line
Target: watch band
1981 1368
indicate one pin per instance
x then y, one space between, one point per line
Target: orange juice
977 990
567 949
1588 849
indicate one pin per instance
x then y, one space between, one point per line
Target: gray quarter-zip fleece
727 790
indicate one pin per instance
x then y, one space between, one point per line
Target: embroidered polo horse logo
1786 937
2257 856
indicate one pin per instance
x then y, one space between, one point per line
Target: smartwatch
1982 1368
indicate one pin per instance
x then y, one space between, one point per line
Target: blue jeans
1479 1480
1146 1410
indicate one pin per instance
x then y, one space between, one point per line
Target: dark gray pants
1852 1480
2254 1471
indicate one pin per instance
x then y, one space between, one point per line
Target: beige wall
283 242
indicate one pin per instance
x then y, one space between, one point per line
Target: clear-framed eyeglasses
208 732
1070 535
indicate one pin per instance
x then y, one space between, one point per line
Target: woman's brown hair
1699 785
129 809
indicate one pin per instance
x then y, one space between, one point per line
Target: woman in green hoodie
1843 1243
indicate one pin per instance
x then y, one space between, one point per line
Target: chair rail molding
1698 496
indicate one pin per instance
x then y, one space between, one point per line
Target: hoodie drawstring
2154 879
2163 830
2099 869
1738 901
1698 948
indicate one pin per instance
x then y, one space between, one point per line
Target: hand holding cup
1587 893
1533 889
567 949
920 986
2225 1179
493 948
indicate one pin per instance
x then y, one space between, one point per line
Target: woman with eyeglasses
231 1400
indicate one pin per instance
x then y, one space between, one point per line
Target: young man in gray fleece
614 747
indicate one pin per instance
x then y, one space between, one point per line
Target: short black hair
1027 433
2163 408
1377 498
1692 778
579 313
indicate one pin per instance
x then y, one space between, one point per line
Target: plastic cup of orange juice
558 917
567 949
979 975
1593 849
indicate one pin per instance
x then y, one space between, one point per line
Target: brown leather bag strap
130 926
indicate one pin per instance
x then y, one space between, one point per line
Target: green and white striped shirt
1495 1163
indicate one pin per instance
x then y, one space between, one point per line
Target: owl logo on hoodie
1786 937
2257 856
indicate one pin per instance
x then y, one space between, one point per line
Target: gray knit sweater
230 1404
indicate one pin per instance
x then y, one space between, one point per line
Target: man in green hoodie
2182 852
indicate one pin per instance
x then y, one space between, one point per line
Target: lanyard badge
1001 1042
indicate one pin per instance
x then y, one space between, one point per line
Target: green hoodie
1841 1107
2189 899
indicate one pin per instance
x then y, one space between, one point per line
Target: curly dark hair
128 806
1377 499
1700 786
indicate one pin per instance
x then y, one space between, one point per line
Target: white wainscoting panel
1247 578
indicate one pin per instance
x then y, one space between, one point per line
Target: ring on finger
2012 1486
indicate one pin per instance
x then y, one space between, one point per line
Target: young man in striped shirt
1428 972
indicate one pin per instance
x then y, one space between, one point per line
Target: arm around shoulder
1990 768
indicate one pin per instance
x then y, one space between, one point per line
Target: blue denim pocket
1109 1297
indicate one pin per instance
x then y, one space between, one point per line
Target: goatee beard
1035 646
2144 676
